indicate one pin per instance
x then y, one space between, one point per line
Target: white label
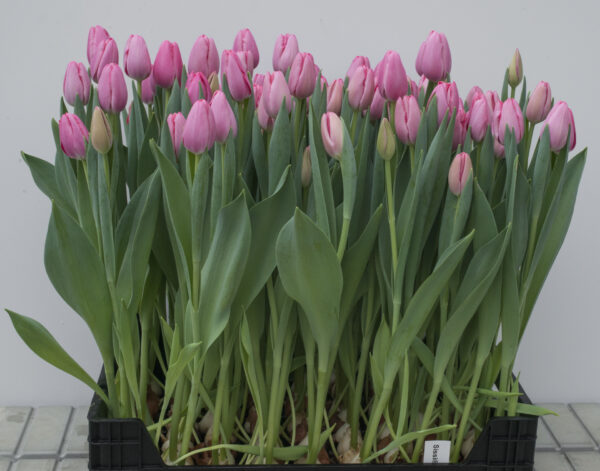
436 451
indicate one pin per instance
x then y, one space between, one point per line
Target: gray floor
55 439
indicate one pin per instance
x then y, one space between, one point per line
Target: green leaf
259 155
279 147
348 167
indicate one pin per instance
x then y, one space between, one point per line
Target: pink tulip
176 125
460 169
204 56
358 61
332 133
539 103
498 149
475 93
76 83
197 82
257 85
508 114
323 81
247 60
264 120
244 41
413 87
361 88
106 53
148 89
274 91
480 119
461 124
167 65
302 75
286 48
392 77
237 77
137 60
560 122
199 132
423 83
492 99
434 60
112 90
96 36
224 118
377 105
73 136
407 118
335 94
447 99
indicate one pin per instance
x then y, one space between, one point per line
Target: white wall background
558 42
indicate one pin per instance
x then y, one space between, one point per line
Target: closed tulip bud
247 60
413 88
460 169
100 133
224 118
244 41
199 132
377 105
236 75
148 89
106 53
196 83
560 123
73 136
213 81
264 120
423 83
168 65
257 85
358 61
407 118
492 99
335 94
112 90
302 75
96 36
498 149
475 93
136 61
76 83
461 124
447 99
434 60
306 168
392 77
176 125
204 56
539 103
515 69
480 118
274 91
508 114
386 141
361 88
323 83
286 48
332 133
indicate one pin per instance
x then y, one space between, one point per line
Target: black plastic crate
506 444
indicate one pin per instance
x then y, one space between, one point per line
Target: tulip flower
447 99
475 93
112 90
480 118
323 81
386 141
539 103
302 75
358 61
257 85
199 132
73 136
461 124
100 132
274 91
335 94
204 56
361 88
460 168
508 114
247 60
167 65
407 118
136 61
237 77
223 115
106 53
498 149
197 82
434 60
515 70
332 133
560 123
413 88
96 36
423 83
286 48
176 124
392 77
492 99
264 120
148 89
76 83
377 105
244 41
306 171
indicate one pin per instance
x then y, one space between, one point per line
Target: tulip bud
407 118
148 89
197 82
335 94
447 99
492 99
480 118
258 89
96 36
199 131
286 48
358 61
498 149
247 60
136 61
434 60
509 114
460 169
204 56
560 123
236 75
176 125
377 105
244 41
392 77
332 133
73 136
112 90
167 65
76 83
264 120
100 133
302 75
106 53
224 117
423 84
461 124
361 88
515 70
539 103
275 89
474 94
306 168
413 88
213 81
386 141
323 81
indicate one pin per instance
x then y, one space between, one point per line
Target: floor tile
4 464
45 432
76 441
589 414
551 461
544 440
73 464
34 465
566 428
584 460
12 424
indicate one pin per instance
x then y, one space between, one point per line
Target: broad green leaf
348 167
259 155
279 152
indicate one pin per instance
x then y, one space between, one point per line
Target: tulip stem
466 412
343 239
391 214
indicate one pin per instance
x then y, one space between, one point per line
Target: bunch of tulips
278 268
